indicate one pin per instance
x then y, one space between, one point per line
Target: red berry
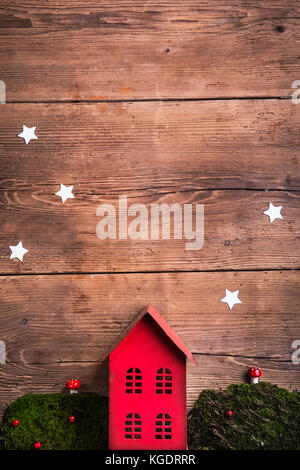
72 419
15 423
37 445
229 413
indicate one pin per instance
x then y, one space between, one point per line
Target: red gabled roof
158 318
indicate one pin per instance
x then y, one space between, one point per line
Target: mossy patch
45 418
265 417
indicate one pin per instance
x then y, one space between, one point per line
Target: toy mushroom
73 385
254 373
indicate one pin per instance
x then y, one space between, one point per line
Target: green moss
265 417
44 418
262 413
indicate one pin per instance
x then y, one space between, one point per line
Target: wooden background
184 101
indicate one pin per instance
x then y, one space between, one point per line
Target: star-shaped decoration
273 212
65 192
231 298
28 133
18 251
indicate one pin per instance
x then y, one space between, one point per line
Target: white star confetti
28 133
18 251
231 298
273 212
65 192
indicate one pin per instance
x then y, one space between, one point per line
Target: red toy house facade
147 386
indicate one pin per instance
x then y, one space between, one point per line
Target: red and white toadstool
37 445
254 374
15 423
73 385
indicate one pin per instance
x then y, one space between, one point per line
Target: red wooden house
147 386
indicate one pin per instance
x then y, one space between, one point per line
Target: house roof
158 318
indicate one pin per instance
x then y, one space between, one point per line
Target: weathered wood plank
72 318
144 150
62 237
57 327
174 146
212 372
132 50
218 372
20 379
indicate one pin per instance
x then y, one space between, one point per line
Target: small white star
231 298
273 212
28 133
18 251
65 192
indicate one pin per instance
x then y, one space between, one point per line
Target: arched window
133 380
163 426
164 381
133 426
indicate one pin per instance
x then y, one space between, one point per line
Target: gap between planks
149 100
195 353
157 191
174 271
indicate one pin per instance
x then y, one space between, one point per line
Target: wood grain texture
72 318
230 152
135 50
112 148
212 372
62 238
56 327
153 153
